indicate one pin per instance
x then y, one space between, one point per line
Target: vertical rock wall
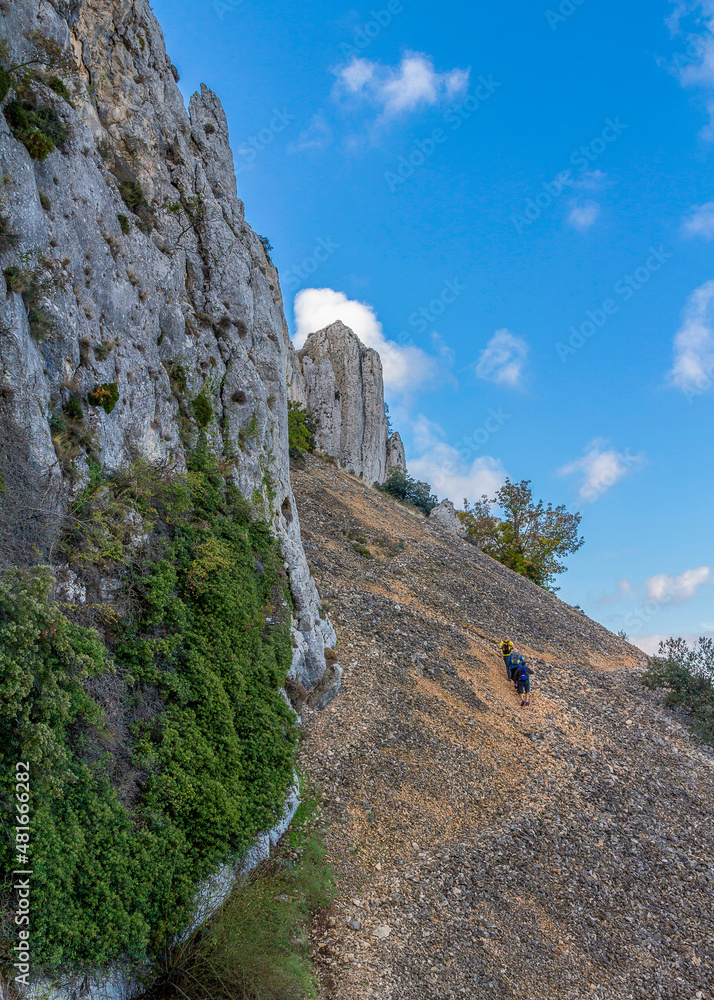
340 382
158 288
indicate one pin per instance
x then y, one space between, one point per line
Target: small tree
301 429
478 520
531 538
403 488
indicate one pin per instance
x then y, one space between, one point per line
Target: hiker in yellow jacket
506 648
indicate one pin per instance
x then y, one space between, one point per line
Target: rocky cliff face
141 310
396 458
340 382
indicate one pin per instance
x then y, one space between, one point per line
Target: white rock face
396 458
186 301
341 385
445 515
168 298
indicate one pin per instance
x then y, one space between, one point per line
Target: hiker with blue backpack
520 674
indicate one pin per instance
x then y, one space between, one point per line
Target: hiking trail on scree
484 850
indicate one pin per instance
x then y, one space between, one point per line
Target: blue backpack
516 662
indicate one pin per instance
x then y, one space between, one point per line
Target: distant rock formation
395 453
339 380
445 515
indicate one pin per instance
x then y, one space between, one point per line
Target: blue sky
514 205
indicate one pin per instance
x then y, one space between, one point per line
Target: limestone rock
163 290
344 392
445 515
396 458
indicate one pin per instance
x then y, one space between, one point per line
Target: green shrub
105 395
132 194
258 945
13 278
60 87
362 550
39 129
301 428
267 246
177 377
216 758
403 488
5 83
688 677
124 223
73 409
202 409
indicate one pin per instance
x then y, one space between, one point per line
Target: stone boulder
445 515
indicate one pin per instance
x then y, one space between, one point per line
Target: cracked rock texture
396 458
163 290
339 380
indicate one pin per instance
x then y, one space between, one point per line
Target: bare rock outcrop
396 458
445 515
148 282
340 381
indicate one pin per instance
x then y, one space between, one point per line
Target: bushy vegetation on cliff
412 492
687 676
158 740
301 430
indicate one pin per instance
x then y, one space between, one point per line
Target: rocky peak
340 382
396 458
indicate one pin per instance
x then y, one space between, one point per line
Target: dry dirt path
484 850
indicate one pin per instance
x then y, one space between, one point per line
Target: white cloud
675 589
503 359
398 90
601 468
405 367
583 216
694 22
693 367
317 135
623 592
591 180
650 643
700 221
443 465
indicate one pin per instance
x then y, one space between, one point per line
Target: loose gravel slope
484 850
